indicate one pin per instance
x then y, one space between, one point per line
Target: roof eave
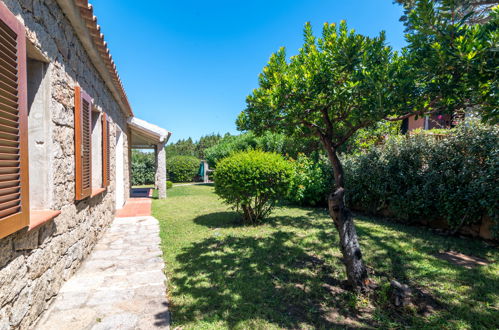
80 14
156 137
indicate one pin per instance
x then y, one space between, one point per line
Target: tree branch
352 131
327 120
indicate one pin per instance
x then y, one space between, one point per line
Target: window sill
39 217
97 191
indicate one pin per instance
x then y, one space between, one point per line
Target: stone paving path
121 285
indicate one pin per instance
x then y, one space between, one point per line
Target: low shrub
454 178
252 182
182 168
169 184
312 182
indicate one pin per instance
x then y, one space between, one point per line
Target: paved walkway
138 205
135 207
121 285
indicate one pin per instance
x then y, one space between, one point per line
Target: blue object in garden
201 170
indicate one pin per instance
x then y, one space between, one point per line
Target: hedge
182 168
420 177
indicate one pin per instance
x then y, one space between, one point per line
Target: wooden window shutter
83 143
14 179
106 162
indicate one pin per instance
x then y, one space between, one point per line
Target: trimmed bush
169 185
182 168
312 182
252 182
422 177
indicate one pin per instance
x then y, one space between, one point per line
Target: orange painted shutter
14 179
83 143
106 163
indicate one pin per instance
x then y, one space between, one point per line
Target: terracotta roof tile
87 13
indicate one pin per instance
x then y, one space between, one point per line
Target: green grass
287 273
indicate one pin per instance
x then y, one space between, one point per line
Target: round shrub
182 168
169 185
252 182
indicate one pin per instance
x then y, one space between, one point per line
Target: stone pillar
161 170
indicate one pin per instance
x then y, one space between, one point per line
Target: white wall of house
120 170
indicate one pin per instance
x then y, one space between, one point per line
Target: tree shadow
415 263
220 220
240 280
313 218
289 275
163 319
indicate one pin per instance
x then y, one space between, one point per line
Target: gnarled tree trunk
349 244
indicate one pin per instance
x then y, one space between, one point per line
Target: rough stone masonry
34 264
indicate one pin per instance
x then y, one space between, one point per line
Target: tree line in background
187 147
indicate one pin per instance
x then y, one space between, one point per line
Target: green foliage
252 182
143 168
421 177
268 141
469 11
194 149
312 182
206 142
181 148
450 63
336 85
368 137
229 145
182 168
169 184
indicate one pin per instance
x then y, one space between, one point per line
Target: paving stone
119 321
121 285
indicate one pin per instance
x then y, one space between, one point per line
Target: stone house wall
34 264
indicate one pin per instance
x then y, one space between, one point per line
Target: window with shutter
106 163
83 143
14 189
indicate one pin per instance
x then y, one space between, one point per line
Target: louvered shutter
14 189
106 163
83 143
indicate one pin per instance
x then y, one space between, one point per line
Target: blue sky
188 66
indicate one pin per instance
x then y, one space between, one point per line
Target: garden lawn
287 273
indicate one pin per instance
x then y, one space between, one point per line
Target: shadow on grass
220 220
242 279
273 276
407 253
284 277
